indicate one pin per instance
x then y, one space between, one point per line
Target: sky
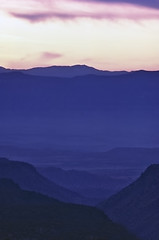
106 34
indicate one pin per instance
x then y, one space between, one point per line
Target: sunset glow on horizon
109 35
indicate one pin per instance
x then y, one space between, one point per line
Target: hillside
96 187
28 215
136 206
28 178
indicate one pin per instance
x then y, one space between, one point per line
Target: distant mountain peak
70 71
84 66
65 66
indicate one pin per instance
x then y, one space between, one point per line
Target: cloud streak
50 55
36 11
104 11
46 58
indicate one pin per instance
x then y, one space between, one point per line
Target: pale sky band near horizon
109 35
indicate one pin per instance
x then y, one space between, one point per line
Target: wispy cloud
50 55
36 11
41 58
34 17
117 12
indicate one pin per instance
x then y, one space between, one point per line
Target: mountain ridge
28 178
136 206
70 71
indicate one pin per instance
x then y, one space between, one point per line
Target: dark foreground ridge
137 205
29 215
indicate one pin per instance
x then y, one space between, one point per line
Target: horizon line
80 65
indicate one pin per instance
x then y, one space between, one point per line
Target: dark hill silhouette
136 206
28 215
28 178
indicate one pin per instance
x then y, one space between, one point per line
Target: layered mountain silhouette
68 186
107 172
95 112
135 92
69 71
29 215
69 117
28 178
93 186
136 206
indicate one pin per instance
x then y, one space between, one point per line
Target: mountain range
95 176
137 205
85 112
105 172
66 185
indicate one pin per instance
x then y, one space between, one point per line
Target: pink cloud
50 55
38 11
33 17
28 61
109 12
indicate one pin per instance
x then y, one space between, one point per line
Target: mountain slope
28 178
136 206
28 215
96 187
